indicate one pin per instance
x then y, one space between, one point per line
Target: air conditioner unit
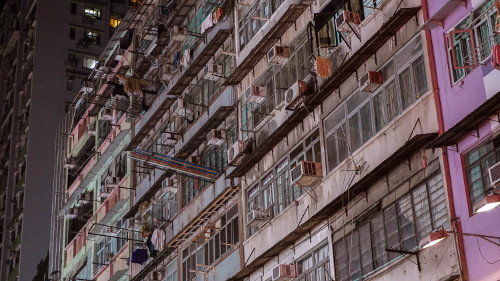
306 173
293 94
212 72
346 20
277 54
256 217
107 114
494 172
370 81
169 138
105 191
87 87
235 152
247 2
112 181
70 162
255 94
84 198
284 272
194 160
72 213
111 230
216 137
178 33
169 185
90 129
179 109
156 276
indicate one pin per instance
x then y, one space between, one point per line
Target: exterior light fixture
432 239
437 236
488 203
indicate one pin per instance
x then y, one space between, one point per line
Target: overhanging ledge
402 154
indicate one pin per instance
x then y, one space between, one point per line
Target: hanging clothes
206 24
158 239
134 268
139 256
186 58
151 247
495 56
177 60
133 85
323 67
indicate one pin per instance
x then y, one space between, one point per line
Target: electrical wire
481 253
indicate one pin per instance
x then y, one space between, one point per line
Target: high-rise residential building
466 48
46 48
282 140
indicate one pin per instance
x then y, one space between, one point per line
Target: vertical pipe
446 164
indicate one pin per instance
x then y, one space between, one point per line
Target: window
92 37
277 79
114 22
470 41
400 225
171 271
274 192
356 120
371 5
89 63
71 33
477 163
92 12
315 266
218 240
103 253
73 8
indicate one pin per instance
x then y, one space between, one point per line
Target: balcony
112 145
203 53
340 73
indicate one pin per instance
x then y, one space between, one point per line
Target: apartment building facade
36 75
465 38
269 140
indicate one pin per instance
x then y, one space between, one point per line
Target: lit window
92 37
94 13
89 63
114 22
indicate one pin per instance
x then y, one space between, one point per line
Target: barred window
400 226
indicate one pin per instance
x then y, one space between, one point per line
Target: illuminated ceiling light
488 203
432 239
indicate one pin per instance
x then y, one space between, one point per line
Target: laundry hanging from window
323 66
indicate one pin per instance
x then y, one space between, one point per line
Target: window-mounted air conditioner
212 72
112 181
91 129
72 213
84 198
111 230
235 152
70 162
178 108
277 54
256 217
494 172
284 272
370 81
105 191
107 114
346 20
216 137
178 33
255 94
169 138
306 173
169 185
293 94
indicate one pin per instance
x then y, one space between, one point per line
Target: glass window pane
422 214
405 221
379 110
366 248
405 86
420 76
392 100
354 132
438 202
340 258
366 122
378 240
391 228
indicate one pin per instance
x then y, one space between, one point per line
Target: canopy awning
165 162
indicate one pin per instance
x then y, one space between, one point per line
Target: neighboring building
463 37
255 160
40 60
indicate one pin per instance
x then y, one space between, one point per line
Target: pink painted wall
457 101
